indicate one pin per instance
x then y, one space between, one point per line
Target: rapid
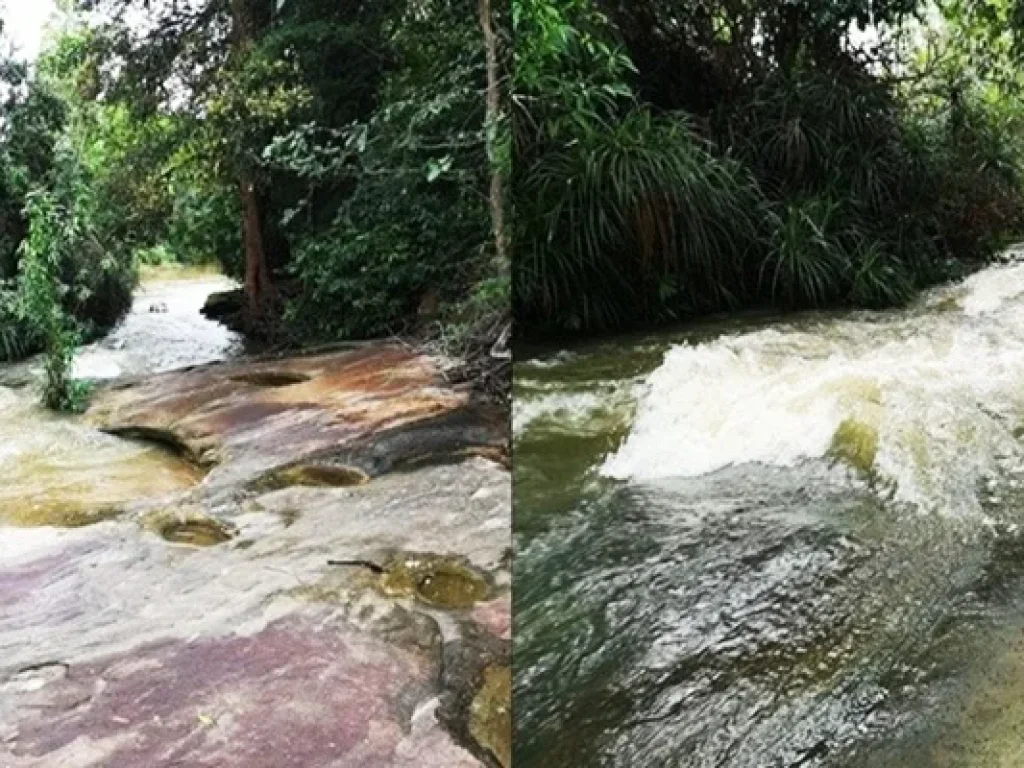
772 541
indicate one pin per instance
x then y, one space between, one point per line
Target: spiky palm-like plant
631 221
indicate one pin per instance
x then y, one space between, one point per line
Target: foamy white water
153 341
942 385
575 411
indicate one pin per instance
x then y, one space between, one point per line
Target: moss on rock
491 714
855 443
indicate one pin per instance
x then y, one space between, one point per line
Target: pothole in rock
197 533
193 530
313 475
271 379
438 581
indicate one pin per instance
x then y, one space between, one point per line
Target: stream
776 541
58 470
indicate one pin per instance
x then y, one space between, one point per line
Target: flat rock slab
121 646
241 418
118 648
302 692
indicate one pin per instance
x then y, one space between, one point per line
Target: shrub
632 221
40 286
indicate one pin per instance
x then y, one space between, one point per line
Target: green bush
42 253
786 175
399 209
632 221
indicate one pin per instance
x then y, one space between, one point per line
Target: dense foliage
357 134
677 158
62 274
53 228
338 158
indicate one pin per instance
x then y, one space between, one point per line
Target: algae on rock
440 581
855 443
491 714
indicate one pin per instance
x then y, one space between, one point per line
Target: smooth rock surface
121 648
247 417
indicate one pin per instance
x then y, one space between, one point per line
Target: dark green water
703 579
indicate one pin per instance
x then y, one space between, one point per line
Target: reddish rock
299 694
120 649
256 414
496 616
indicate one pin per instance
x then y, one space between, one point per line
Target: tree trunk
258 287
493 118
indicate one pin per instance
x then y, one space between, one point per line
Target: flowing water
777 542
56 470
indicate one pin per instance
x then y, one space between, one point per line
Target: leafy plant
40 285
675 158
628 220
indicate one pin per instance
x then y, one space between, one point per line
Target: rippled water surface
56 470
777 542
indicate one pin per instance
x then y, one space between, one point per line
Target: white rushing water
577 412
942 385
176 336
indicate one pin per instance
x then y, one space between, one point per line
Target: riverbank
328 585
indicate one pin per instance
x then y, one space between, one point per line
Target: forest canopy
676 158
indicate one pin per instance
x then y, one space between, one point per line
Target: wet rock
225 307
477 703
491 714
262 655
375 406
239 701
947 304
257 652
496 616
